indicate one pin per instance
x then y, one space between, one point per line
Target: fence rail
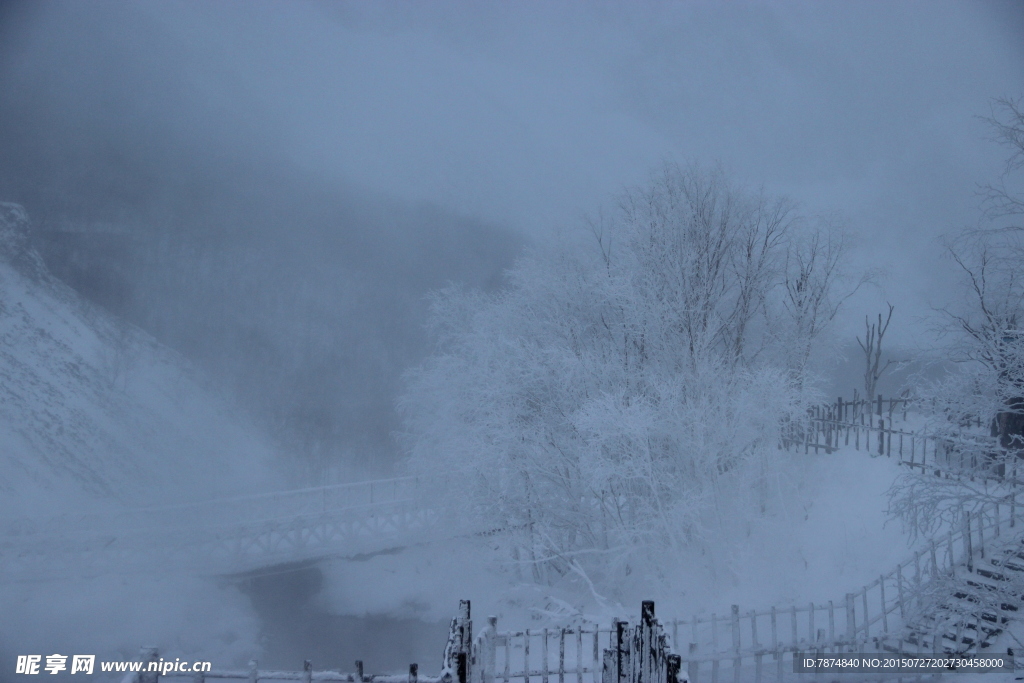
963 452
760 645
539 654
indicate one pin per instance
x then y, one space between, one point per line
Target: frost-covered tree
627 395
813 272
986 326
874 335
1006 197
978 407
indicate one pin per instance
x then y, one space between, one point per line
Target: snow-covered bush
621 397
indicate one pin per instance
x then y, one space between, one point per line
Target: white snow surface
93 410
96 415
830 536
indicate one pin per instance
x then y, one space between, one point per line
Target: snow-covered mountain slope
94 410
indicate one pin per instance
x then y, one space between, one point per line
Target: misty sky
529 115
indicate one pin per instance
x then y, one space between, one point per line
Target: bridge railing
210 536
270 505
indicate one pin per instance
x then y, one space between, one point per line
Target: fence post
952 556
831 626
981 533
465 668
865 619
623 661
885 612
673 665
899 590
755 645
881 435
147 655
917 579
307 671
545 674
736 643
483 659
851 624
692 666
1013 500
359 671
968 548
810 622
648 662
714 648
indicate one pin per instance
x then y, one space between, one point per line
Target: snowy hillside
95 414
89 404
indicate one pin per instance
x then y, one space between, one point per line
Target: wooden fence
747 645
760 645
457 663
755 645
638 655
866 409
965 452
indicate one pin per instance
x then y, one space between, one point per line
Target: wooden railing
760 645
755 645
530 655
640 655
966 452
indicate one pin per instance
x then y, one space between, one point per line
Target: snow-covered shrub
620 398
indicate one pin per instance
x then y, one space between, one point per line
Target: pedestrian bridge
225 536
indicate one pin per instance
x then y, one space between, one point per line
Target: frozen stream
295 627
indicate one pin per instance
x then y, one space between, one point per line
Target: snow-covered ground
90 404
831 537
96 415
